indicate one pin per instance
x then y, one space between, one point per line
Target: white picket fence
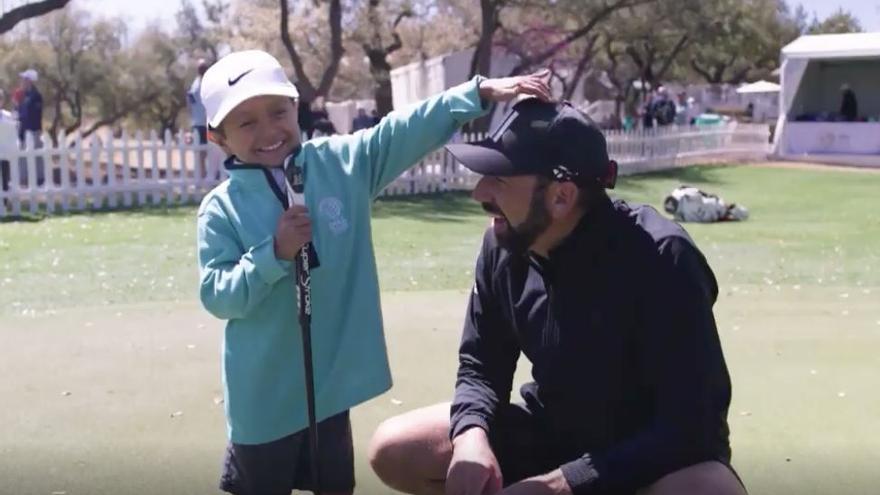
139 170
635 152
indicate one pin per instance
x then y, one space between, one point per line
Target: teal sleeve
233 280
404 136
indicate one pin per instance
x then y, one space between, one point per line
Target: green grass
797 315
808 227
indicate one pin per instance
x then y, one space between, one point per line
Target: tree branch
607 10
336 49
302 79
33 9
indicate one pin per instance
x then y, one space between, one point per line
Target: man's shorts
525 447
284 465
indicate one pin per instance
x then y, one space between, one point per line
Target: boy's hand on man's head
293 232
507 88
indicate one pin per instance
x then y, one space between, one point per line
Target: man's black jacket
617 323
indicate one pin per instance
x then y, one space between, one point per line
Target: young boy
248 235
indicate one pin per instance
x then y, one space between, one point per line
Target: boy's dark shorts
525 447
284 465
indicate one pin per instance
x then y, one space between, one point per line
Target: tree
580 20
641 43
374 41
203 37
86 77
437 27
27 11
841 21
308 90
490 21
157 60
744 39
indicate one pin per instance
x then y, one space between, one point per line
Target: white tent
814 70
758 87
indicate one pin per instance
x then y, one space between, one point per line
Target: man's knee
707 478
411 447
385 447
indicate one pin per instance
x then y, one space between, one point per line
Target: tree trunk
378 54
309 91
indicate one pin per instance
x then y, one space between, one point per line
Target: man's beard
520 238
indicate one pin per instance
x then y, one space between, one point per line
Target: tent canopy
813 72
758 87
825 46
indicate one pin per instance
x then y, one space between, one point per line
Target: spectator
8 139
662 108
648 111
323 127
318 113
375 116
683 109
198 119
30 121
362 121
849 107
196 108
30 108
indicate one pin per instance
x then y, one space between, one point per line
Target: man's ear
563 198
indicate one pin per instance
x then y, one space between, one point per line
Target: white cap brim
247 91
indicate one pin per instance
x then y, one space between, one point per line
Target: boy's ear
215 137
218 139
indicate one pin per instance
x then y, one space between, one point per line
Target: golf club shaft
296 195
305 320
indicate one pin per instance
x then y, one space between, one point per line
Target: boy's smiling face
262 130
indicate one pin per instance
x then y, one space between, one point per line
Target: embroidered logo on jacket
331 209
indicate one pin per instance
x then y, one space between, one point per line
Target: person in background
30 121
362 120
197 116
318 113
682 109
663 108
648 111
8 139
323 127
849 107
30 108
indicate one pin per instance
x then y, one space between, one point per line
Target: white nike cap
238 77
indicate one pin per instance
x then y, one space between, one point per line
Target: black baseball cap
536 137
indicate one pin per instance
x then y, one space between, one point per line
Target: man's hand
552 483
293 232
473 470
507 88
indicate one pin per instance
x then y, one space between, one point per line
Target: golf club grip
303 278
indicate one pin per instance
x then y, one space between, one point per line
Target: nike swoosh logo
233 81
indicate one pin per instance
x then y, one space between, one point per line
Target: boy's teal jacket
243 282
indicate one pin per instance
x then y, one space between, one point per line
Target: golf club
295 195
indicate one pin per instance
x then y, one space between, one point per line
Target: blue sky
139 12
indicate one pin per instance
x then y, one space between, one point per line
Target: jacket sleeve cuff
466 423
464 100
581 475
270 268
